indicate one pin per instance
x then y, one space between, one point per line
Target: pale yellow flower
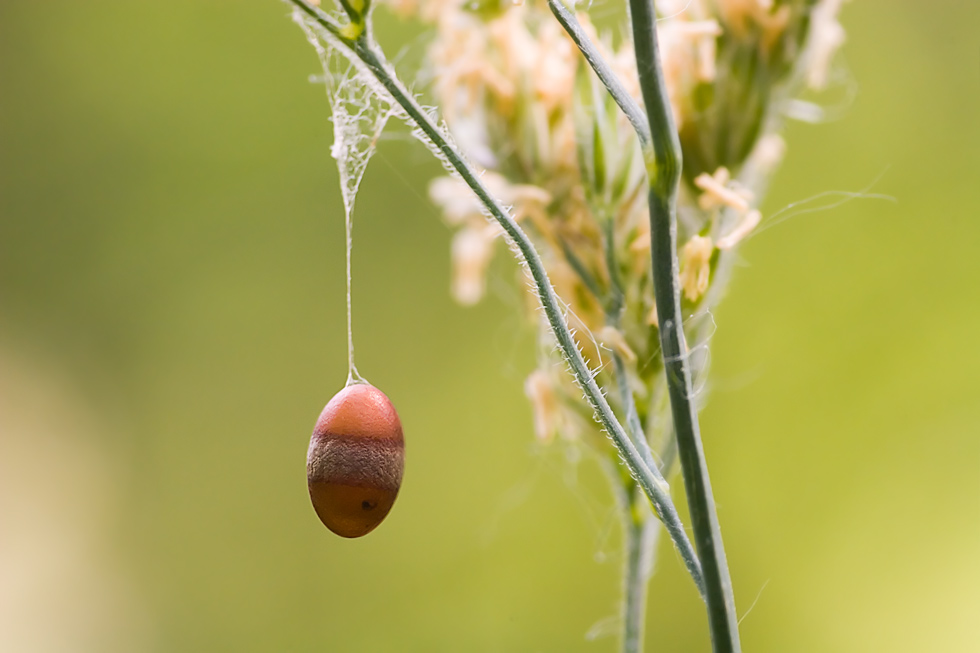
769 152
719 191
826 37
745 225
696 266
741 14
471 252
544 405
613 338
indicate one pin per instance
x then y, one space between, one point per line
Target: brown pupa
356 459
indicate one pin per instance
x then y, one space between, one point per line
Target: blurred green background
171 323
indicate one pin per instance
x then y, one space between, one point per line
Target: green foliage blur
172 322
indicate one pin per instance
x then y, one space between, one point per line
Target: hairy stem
655 488
664 171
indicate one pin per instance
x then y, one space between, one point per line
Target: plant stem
632 416
641 535
656 489
664 171
602 70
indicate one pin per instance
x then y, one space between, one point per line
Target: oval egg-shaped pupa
356 459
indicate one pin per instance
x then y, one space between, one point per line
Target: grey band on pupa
358 461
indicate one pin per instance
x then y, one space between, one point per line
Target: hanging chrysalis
356 457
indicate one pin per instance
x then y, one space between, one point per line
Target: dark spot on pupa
367 505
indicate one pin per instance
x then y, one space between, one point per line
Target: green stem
602 70
641 534
664 171
617 299
668 454
632 415
655 488
588 279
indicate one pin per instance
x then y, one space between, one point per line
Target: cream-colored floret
745 225
696 266
472 249
544 404
826 36
718 191
613 338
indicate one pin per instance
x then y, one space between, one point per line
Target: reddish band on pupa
356 459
